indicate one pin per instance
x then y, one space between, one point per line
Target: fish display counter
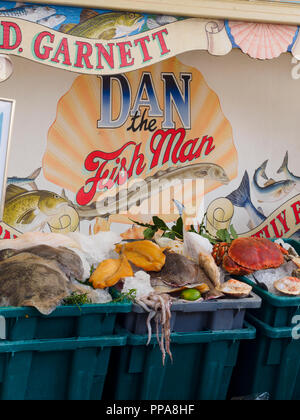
147 162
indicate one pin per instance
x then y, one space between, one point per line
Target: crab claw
231 267
283 250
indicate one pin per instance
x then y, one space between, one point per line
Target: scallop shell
74 133
262 40
235 289
289 286
6 67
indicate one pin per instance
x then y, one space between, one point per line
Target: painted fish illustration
52 21
30 13
23 181
157 21
242 198
32 210
272 191
104 26
140 192
289 175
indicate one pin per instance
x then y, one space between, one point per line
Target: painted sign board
128 111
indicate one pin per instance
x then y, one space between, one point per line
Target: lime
191 294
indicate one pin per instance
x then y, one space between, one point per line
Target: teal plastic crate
270 363
276 311
64 322
202 367
59 369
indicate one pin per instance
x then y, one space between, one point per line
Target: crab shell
247 255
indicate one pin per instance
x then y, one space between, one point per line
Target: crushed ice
268 277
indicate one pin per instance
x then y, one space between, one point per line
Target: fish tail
263 168
241 196
284 165
33 186
180 207
35 174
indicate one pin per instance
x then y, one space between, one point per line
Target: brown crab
244 256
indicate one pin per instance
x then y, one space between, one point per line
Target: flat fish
68 261
28 280
138 193
178 273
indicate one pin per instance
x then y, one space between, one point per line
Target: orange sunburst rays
74 134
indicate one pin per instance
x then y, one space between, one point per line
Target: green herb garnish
176 231
131 295
77 299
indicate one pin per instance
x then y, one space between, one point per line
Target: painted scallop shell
74 134
262 40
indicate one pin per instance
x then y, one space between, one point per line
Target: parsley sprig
176 231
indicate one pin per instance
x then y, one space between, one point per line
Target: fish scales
106 26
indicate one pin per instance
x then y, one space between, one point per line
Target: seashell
6 67
289 286
262 40
74 135
235 289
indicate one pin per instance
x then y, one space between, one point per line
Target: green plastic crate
64 322
202 367
60 369
270 363
276 311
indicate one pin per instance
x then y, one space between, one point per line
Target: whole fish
30 13
272 191
142 191
104 26
52 21
242 198
289 175
23 181
31 210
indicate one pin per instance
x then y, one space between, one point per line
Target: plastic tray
271 363
201 370
64 322
61 369
214 315
277 311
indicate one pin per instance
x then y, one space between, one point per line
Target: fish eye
131 15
